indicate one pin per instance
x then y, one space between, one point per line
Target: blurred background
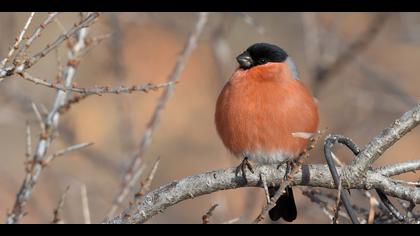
362 67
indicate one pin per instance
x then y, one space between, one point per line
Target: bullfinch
259 111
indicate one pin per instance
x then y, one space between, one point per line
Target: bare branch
374 149
51 16
154 120
312 194
50 122
65 151
21 66
206 217
163 197
400 168
99 90
287 179
58 219
252 22
343 195
18 40
190 187
85 204
145 187
343 59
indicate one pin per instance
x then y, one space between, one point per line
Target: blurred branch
65 151
251 21
372 73
206 217
20 66
154 120
85 204
50 123
190 187
58 219
125 123
323 73
311 37
18 40
313 195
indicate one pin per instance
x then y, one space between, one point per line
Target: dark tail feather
285 206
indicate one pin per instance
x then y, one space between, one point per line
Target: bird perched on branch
265 114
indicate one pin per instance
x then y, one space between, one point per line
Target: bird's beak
244 60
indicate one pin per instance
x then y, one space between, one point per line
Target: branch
85 204
154 120
50 123
294 167
18 40
356 47
206 217
97 90
343 195
374 149
161 198
21 66
58 219
190 187
400 168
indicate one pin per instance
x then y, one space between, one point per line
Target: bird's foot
244 164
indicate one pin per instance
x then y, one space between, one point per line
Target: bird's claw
244 164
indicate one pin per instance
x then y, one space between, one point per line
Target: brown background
351 103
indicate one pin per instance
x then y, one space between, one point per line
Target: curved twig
345 198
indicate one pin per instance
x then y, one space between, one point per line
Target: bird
260 109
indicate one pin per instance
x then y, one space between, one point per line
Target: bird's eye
262 61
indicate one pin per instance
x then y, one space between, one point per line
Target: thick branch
190 187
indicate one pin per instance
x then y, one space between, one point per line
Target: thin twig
58 219
145 187
39 117
355 48
252 22
163 100
373 204
21 66
288 180
206 217
18 40
50 122
37 33
344 195
232 221
98 90
85 204
313 195
62 152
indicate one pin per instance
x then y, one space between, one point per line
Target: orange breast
259 109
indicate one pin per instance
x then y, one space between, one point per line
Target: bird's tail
285 206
